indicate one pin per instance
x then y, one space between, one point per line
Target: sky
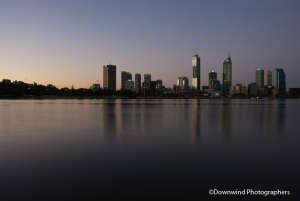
66 42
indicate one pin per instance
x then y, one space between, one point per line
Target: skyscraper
109 77
125 76
268 78
278 79
147 81
259 77
138 82
212 77
196 72
227 75
159 84
129 85
183 83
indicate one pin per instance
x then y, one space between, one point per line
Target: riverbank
133 97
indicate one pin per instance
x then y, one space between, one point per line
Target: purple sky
66 42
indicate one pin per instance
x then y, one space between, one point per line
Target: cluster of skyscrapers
214 85
127 82
266 82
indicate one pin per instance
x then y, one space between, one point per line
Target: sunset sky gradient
65 42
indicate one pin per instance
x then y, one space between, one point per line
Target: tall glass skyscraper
278 78
227 75
212 77
125 77
138 82
259 77
109 77
147 81
268 78
196 72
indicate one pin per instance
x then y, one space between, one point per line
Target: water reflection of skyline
109 121
239 120
210 120
196 123
226 120
162 136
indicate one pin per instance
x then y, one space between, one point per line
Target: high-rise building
109 77
129 85
125 76
278 79
182 83
212 77
138 82
147 81
159 84
153 87
227 75
259 77
196 72
268 78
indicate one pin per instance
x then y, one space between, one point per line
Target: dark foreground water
146 149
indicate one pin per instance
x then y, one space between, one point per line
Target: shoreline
135 98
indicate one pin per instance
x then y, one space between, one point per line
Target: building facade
109 77
182 83
253 90
196 64
125 77
279 82
227 75
268 78
212 77
138 82
147 81
129 85
216 85
159 85
259 77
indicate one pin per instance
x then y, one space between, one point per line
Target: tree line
10 88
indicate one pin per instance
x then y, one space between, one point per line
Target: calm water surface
123 149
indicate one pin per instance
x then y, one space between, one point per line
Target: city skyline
266 83
109 79
65 44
